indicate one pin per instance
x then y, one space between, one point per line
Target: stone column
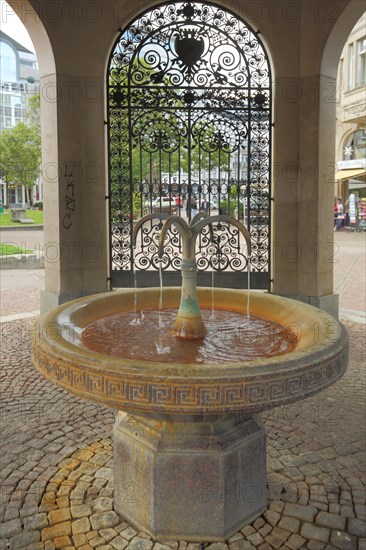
316 193
23 197
304 251
74 188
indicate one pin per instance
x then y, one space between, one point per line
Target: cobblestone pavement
56 452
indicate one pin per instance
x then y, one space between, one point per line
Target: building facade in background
19 79
350 152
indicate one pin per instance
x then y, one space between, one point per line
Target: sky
13 27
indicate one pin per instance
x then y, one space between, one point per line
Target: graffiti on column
69 204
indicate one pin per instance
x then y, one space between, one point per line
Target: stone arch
252 69
32 22
338 37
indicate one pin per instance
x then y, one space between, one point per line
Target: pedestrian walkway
56 449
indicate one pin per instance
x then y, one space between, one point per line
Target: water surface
231 337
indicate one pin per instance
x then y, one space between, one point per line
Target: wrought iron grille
189 125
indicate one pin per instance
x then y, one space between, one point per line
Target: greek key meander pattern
141 393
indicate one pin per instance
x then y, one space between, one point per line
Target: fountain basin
189 449
319 359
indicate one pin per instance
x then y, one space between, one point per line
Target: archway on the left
26 58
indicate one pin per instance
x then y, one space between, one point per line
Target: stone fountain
189 449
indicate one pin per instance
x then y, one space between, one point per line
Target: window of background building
361 61
8 63
340 79
355 146
351 62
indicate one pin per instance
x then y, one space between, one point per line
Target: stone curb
21 227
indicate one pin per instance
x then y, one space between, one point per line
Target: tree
20 159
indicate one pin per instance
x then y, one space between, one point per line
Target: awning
360 185
347 174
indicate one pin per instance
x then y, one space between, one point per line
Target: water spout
189 323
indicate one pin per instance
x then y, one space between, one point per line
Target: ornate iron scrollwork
189 120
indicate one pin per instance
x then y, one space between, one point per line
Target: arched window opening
355 146
189 129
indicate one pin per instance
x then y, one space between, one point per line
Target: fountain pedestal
182 470
195 478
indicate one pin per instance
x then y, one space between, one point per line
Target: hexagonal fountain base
197 478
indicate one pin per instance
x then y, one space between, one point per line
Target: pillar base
328 303
189 479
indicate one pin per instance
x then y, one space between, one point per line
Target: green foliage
20 158
34 112
232 207
20 155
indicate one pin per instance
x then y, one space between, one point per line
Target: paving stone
80 526
104 520
347 511
80 540
311 531
241 545
80 511
356 527
104 473
256 539
171 543
214 546
140 544
57 516
10 528
276 506
289 524
119 543
236 537
36 522
62 542
108 534
292 460
83 454
274 541
259 523
92 534
57 530
334 508
305 513
343 540
102 504
24 539
96 541
128 533
315 545
272 517
331 520
265 530
310 470
295 542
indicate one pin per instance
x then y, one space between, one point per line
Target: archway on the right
350 146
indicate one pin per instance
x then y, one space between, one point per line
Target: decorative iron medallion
189 124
